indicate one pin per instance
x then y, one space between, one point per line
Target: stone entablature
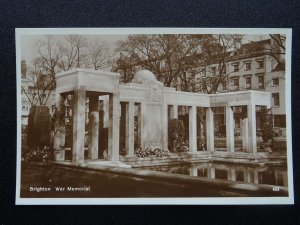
153 101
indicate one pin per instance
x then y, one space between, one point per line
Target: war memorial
155 105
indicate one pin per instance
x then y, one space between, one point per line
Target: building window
275 99
261 81
247 66
260 64
248 83
236 82
280 121
236 68
275 81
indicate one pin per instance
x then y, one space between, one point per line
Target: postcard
152 116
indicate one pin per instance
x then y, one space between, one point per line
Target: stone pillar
210 142
139 124
165 126
129 141
247 176
256 181
211 172
245 134
194 171
231 174
60 130
78 115
174 112
192 129
113 129
143 122
252 143
229 129
93 128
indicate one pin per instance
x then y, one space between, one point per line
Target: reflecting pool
257 174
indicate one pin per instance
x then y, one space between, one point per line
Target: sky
28 42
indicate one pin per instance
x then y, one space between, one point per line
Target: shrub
267 126
176 135
150 152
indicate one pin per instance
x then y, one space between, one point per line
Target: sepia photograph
154 116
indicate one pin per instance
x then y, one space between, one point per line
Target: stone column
211 172
114 125
60 130
129 141
229 129
256 181
245 134
165 126
194 171
93 127
192 129
78 115
252 143
231 174
174 112
247 176
143 124
139 124
210 142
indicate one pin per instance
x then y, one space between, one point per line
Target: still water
270 174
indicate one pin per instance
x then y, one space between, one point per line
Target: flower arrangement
44 155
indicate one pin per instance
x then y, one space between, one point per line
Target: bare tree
216 52
55 55
178 59
79 43
167 56
98 56
277 49
41 75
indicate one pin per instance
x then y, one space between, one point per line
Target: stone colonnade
83 84
152 100
78 105
248 121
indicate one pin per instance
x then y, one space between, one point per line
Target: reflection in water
273 175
